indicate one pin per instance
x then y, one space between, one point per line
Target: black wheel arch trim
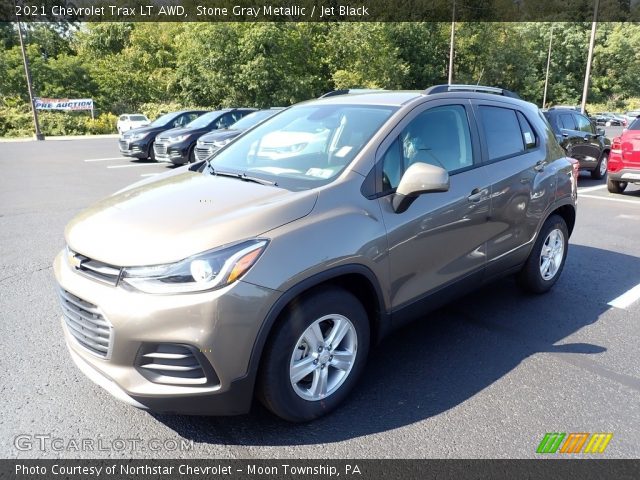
384 320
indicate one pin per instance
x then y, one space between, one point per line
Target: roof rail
470 88
347 91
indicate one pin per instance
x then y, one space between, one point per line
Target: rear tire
546 260
304 374
616 187
601 169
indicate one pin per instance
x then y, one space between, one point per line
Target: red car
624 159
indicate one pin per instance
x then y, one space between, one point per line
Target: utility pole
546 79
27 72
592 41
451 49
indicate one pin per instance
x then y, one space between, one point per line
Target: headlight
179 138
205 271
137 136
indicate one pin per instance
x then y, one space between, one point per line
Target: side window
566 121
528 134
190 117
584 125
123 118
502 131
225 121
180 121
439 136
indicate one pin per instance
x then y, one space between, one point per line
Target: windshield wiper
241 176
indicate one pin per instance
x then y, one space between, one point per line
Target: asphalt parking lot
486 377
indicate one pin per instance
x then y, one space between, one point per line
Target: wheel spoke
313 336
342 360
319 384
338 331
302 368
545 266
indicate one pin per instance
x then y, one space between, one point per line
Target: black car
208 143
178 144
608 120
581 139
139 142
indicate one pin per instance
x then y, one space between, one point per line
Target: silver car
273 272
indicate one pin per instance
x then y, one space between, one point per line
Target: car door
441 238
569 135
522 183
590 148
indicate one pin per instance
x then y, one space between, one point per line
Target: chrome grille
123 145
160 148
86 324
172 364
93 268
204 151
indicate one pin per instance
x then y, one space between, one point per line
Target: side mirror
418 179
600 132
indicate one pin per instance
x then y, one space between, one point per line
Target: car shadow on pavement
435 364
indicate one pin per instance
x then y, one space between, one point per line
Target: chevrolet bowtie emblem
74 261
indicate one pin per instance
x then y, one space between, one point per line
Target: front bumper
177 154
222 324
133 149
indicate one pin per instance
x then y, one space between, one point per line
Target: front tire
315 355
601 169
546 260
616 187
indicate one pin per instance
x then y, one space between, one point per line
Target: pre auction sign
64 104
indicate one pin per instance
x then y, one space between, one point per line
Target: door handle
477 194
587 138
539 166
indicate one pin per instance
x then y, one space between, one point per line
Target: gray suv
274 267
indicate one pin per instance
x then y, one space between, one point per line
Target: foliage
157 67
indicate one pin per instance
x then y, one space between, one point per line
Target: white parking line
134 165
105 159
621 200
149 174
627 298
591 189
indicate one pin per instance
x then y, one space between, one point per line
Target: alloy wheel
323 357
552 254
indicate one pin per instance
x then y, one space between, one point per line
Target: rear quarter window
635 125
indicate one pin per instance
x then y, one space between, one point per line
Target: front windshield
303 147
203 120
253 119
164 119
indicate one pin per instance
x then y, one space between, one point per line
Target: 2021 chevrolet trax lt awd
273 268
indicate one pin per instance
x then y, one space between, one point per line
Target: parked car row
190 135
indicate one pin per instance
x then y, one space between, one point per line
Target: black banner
320 469
317 10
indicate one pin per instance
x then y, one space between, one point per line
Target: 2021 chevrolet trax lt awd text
274 267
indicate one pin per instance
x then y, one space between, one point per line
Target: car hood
145 129
174 132
220 135
179 215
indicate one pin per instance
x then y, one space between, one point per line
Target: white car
128 121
